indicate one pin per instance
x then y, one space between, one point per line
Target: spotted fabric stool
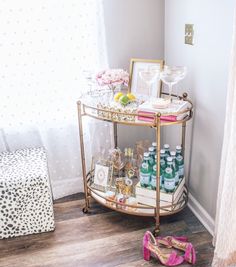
26 205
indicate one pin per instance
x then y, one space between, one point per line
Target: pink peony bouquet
112 77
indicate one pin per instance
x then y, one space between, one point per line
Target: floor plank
100 238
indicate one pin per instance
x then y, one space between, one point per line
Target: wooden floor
102 238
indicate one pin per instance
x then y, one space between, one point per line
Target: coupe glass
150 75
172 75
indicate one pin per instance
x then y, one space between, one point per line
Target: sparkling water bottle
152 154
180 161
179 151
154 177
162 166
167 151
145 171
176 167
169 176
154 144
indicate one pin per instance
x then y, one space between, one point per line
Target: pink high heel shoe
150 247
181 244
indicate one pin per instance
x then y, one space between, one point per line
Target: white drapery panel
225 231
44 48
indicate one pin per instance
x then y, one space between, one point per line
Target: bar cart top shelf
93 105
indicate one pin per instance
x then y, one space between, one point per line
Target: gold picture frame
135 80
102 173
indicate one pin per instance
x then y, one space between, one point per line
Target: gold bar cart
85 109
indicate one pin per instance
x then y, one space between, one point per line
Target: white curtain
44 48
225 231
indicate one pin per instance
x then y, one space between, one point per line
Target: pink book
150 117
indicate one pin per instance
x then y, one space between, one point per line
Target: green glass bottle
154 177
145 171
179 151
154 144
180 161
162 167
163 158
167 151
176 167
169 176
152 154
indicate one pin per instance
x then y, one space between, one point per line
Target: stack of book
147 196
146 111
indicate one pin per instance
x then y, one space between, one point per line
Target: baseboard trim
201 214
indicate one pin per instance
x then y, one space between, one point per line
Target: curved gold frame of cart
140 210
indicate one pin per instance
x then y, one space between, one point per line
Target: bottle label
169 184
153 181
145 178
154 177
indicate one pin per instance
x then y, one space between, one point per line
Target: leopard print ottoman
25 194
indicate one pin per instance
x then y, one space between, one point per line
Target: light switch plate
189 34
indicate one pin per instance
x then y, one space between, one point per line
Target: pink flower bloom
112 77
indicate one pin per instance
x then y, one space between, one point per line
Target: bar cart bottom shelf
166 208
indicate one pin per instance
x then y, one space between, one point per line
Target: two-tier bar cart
114 117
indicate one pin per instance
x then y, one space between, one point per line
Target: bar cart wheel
156 231
85 210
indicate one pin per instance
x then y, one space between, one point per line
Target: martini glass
172 75
150 76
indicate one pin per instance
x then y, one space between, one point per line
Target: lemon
117 96
131 96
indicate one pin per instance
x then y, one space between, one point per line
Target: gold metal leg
158 141
115 134
183 147
86 207
183 137
185 95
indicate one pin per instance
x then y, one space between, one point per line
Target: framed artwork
137 84
102 174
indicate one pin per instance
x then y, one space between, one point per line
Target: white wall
207 62
134 28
